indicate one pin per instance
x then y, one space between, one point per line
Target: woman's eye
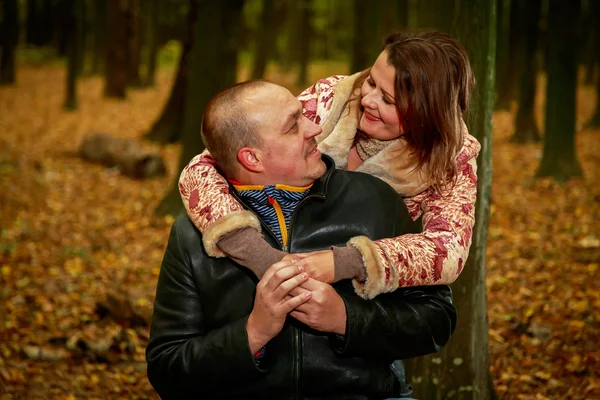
370 82
386 101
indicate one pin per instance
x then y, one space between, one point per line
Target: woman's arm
434 257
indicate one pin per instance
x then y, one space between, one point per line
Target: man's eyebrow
292 117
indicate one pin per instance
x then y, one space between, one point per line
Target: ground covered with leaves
81 246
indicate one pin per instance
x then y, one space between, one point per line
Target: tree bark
151 29
594 13
508 76
212 42
75 15
462 369
266 39
503 61
167 128
134 43
525 127
99 34
304 39
559 159
360 44
9 37
116 56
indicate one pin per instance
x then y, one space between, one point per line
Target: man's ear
251 159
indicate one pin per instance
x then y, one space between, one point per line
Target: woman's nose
368 100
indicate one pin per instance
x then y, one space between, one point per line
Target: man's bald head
227 127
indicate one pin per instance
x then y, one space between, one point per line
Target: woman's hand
318 264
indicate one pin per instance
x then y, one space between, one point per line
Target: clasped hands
288 288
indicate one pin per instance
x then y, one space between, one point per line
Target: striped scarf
274 205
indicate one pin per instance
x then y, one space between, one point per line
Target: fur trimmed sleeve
437 255
210 206
317 99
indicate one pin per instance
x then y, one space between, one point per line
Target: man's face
289 153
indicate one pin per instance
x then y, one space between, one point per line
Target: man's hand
318 264
325 311
272 304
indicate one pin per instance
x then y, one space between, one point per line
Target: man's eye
293 128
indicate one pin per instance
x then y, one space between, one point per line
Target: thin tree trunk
525 127
304 38
167 128
508 76
9 37
99 34
594 13
559 159
151 29
360 44
134 43
205 80
265 41
503 62
116 58
75 18
462 369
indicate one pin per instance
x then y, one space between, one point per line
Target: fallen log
125 154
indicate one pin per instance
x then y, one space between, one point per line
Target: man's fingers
300 316
276 267
289 284
295 301
298 290
281 275
312 284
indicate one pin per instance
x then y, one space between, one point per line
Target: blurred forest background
100 107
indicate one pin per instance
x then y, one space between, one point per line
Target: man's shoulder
364 184
185 233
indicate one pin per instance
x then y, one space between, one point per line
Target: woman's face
381 119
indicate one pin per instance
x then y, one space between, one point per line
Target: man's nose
312 129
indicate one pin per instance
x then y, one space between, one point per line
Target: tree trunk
525 127
32 23
462 369
151 29
360 44
304 38
116 55
75 15
503 61
594 13
212 41
559 159
508 76
9 37
47 22
134 43
167 128
99 34
266 39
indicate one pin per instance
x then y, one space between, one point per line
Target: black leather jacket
198 342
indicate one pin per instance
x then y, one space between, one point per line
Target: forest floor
80 241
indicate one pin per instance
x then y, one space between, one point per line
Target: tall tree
212 41
559 159
9 36
525 127
360 43
75 17
265 41
508 75
151 36
168 126
134 42
116 54
594 13
503 61
462 369
304 35
99 35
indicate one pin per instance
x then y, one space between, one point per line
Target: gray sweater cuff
247 247
348 264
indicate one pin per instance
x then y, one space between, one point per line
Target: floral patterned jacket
435 256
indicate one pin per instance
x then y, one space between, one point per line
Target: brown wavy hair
433 85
